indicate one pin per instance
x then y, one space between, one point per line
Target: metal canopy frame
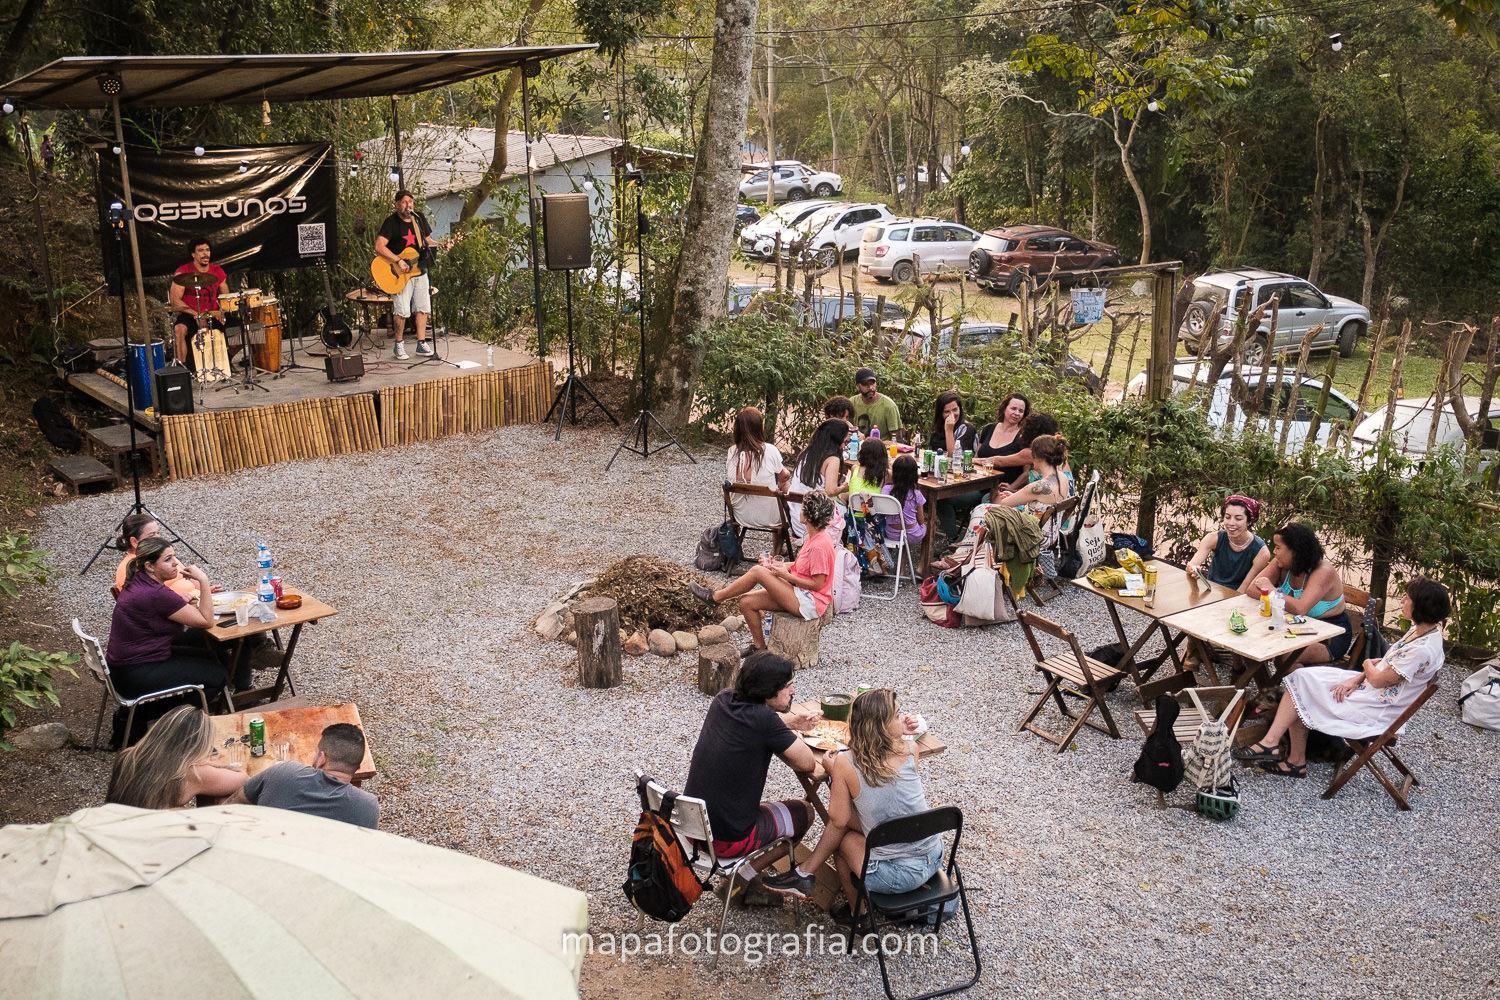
79 82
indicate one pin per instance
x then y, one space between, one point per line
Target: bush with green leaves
25 673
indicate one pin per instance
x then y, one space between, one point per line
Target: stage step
78 471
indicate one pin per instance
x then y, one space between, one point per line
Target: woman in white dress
1357 704
754 461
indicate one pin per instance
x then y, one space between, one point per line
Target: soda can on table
276 586
968 460
257 736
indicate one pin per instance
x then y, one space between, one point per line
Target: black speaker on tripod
570 247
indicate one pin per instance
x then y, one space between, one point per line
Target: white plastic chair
884 503
93 658
690 822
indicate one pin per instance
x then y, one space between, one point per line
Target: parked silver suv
794 182
1301 307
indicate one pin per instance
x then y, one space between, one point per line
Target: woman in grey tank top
876 780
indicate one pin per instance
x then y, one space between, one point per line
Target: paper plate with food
829 735
225 602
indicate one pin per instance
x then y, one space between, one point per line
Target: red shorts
787 818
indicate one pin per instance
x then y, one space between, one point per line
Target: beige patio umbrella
246 901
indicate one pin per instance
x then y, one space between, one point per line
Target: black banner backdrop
263 207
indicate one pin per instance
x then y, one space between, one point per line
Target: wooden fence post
1158 380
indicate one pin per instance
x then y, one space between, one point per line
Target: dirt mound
653 593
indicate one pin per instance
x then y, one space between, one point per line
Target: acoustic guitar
390 279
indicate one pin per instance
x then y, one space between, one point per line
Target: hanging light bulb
244 166
1336 41
606 116
353 170
395 177
7 107
1151 105
588 184
197 150
265 112
115 150
964 149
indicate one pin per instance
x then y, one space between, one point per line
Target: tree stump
597 622
717 664
796 638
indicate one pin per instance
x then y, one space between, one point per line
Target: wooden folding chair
1074 668
1190 718
1364 614
1058 511
1363 752
781 534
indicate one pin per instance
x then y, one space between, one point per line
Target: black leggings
184 666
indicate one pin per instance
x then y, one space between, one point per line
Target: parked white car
1338 410
834 233
1413 422
900 249
759 238
794 182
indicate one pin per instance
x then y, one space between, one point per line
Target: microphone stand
117 223
637 437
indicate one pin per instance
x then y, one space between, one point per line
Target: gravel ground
438 557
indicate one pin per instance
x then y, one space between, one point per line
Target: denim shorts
895 875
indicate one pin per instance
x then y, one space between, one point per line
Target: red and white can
276 586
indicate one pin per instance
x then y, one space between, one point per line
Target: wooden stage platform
301 414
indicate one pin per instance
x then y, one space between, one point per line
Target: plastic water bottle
263 559
489 357
265 592
767 619
1278 611
854 443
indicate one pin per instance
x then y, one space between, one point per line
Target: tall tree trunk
1320 158
1124 143
499 158
18 37
1372 237
700 276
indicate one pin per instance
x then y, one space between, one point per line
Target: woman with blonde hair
171 765
875 781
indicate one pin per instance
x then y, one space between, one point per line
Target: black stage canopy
182 81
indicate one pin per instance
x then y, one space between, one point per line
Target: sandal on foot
1256 753
702 593
1284 769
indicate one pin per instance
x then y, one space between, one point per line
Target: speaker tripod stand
566 403
637 438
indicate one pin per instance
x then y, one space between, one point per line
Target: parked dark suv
1049 254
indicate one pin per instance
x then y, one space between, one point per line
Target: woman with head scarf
1234 555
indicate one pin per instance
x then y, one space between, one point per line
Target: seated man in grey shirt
323 789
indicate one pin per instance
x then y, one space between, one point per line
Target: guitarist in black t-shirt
408 229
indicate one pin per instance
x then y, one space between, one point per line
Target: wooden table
1175 594
298 727
981 478
1258 646
927 746
312 610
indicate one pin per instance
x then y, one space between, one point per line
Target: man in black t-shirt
743 729
404 229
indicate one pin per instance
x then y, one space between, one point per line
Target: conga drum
266 352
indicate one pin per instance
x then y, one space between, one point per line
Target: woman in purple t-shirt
147 648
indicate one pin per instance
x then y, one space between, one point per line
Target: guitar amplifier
344 367
174 390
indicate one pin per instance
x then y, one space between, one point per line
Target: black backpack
661 882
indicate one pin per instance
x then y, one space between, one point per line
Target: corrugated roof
183 81
440 158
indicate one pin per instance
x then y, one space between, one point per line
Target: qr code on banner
312 239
